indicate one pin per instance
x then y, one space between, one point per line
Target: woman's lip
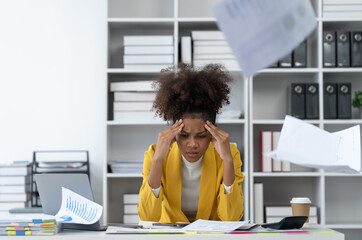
192 153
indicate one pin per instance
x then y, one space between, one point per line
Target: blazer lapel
207 184
174 180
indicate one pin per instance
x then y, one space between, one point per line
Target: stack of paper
148 52
14 186
130 212
211 47
28 227
126 166
342 8
133 102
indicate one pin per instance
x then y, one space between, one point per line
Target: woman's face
194 139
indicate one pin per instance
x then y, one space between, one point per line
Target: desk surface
316 232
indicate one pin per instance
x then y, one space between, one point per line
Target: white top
191 174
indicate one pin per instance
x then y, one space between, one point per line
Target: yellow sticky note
329 232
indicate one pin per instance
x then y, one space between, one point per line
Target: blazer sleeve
149 207
231 206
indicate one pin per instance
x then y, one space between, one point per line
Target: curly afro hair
190 92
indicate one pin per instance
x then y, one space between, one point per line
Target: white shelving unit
336 195
130 140
263 99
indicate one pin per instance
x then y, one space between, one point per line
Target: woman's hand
220 139
166 138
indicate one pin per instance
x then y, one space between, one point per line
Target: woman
193 172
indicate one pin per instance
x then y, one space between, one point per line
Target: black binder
312 101
329 49
356 49
344 101
298 100
300 55
343 46
286 61
330 100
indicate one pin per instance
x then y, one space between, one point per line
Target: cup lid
304 200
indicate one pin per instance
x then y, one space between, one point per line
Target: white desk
88 235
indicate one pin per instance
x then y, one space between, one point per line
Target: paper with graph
307 145
77 209
260 32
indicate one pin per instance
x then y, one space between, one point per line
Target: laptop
50 192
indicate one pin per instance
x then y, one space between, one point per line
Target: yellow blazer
213 204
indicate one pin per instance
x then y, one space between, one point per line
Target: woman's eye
183 135
202 136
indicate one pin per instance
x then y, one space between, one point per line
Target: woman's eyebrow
201 132
196 133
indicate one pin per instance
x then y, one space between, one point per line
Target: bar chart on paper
77 209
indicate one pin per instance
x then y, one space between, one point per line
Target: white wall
53 79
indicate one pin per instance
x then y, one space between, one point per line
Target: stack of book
148 52
130 213
277 213
14 186
269 142
124 166
133 101
342 8
35 227
211 47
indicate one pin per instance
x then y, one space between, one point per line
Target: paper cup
300 206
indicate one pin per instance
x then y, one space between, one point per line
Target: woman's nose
192 142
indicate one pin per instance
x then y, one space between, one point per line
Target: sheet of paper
77 209
260 32
127 230
307 145
213 226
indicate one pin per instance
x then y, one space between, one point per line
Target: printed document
260 32
307 145
213 226
78 209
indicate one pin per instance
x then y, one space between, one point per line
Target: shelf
266 121
341 19
287 174
329 174
115 123
343 121
342 70
223 121
230 121
344 226
140 20
196 19
122 70
124 175
289 70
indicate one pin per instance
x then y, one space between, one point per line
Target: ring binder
329 49
298 100
330 101
344 101
356 49
343 46
312 101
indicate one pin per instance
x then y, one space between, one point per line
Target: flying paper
260 32
307 145
78 209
